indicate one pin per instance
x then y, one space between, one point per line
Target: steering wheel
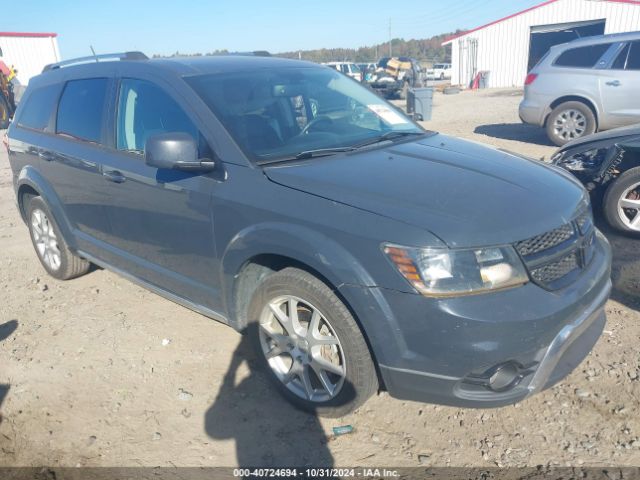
314 122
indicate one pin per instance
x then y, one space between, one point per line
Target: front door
161 219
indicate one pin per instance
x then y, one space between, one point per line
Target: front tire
570 120
310 345
621 202
49 244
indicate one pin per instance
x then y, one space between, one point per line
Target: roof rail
96 58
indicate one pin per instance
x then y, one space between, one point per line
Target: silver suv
588 85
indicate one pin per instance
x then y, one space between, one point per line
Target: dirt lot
101 372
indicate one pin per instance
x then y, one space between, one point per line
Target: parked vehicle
356 249
608 164
440 71
587 85
349 69
394 75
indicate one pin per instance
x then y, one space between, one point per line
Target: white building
509 47
28 52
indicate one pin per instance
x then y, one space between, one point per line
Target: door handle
114 176
46 156
614 83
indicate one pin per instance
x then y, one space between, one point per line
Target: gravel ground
103 373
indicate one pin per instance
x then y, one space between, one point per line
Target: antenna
94 53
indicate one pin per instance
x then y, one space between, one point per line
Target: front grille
545 241
555 258
549 273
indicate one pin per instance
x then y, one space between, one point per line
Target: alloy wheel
302 348
569 124
629 207
45 239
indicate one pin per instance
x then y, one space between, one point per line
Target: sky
199 26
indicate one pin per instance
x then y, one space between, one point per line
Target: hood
465 193
614 136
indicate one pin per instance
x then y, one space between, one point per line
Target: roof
27 34
508 17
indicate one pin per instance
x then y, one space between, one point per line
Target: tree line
428 49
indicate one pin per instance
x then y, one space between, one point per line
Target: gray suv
584 86
357 250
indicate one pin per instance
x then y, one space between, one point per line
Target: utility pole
390 47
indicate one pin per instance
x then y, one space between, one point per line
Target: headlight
436 272
589 160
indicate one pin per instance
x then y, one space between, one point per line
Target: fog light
505 377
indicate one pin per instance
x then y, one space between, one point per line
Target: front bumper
436 350
551 364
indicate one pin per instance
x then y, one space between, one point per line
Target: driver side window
144 110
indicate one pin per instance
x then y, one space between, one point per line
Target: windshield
275 114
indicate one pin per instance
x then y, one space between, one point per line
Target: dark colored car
608 164
357 250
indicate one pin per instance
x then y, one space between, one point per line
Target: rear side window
633 62
39 107
81 109
583 57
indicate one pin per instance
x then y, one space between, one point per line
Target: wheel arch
31 183
264 248
573 98
261 250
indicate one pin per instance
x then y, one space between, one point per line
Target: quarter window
621 60
81 109
39 107
144 110
582 57
633 62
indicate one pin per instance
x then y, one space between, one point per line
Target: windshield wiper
387 137
322 152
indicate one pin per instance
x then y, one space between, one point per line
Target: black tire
563 111
360 380
5 115
613 195
70 265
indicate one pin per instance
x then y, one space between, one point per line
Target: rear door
620 87
161 219
72 159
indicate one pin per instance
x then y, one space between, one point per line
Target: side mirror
175 150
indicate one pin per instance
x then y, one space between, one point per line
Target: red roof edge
548 2
27 34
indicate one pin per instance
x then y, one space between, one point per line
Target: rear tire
569 121
324 366
4 113
49 244
621 204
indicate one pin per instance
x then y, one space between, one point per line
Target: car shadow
268 431
625 266
519 132
6 330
